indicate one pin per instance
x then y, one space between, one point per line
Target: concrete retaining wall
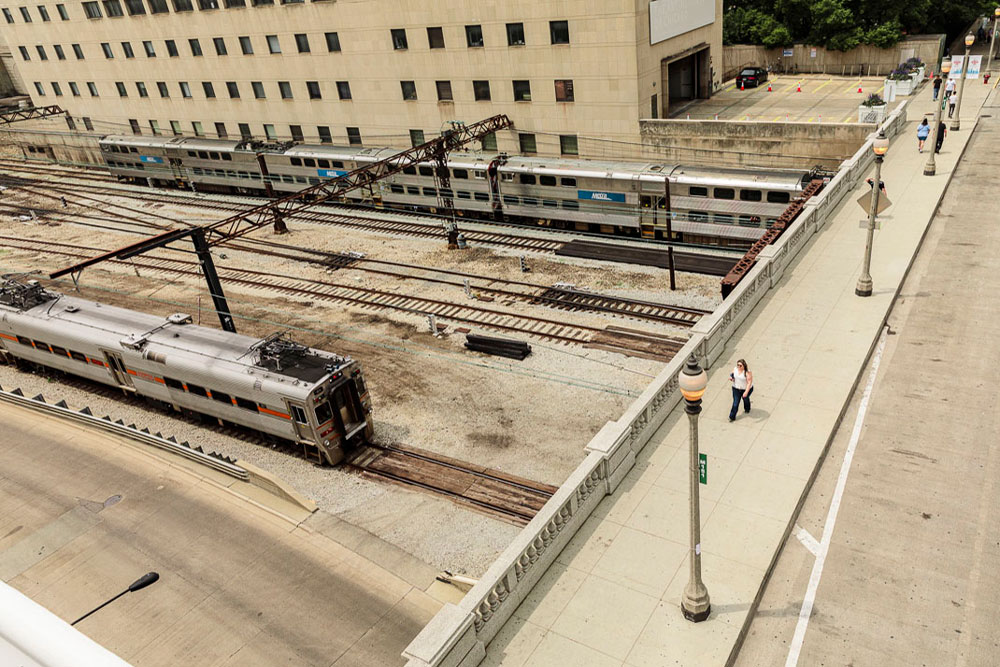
752 143
68 146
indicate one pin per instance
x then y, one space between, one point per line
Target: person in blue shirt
923 131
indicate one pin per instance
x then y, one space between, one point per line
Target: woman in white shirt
742 380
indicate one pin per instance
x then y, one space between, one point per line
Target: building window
559 32
522 91
75 89
515 34
435 38
324 134
24 53
113 8
564 90
234 90
25 15
208 4
269 132
107 50
69 123
527 143
127 50
41 52
398 39
87 124
344 90
121 89
444 91
489 142
7 15
135 126
409 89
286 90
354 136
183 6
296 132
232 4
92 88
258 89
63 14
313 88
175 127
199 131
158 7
258 3
481 90
208 88
171 48
185 89
332 42
77 51
60 54
154 127
245 130
162 87
56 89
474 35
568 144
195 47
150 51
39 89
141 88
416 137
273 45
91 10
135 7
44 13
245 46
220 46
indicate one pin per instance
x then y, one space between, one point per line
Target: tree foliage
844 24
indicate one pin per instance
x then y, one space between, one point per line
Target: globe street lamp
993 40
695 604
931 167
879 147
957 124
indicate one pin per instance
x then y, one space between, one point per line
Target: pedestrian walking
937 86
952 100
923 130
949 87
742 380
942 130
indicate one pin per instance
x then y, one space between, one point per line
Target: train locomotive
727 205
310 397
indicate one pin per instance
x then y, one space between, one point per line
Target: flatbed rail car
311 397
625 198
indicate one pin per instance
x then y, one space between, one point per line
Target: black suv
751 76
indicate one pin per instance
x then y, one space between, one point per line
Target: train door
117 367
302 428
648 208
177 169
348 406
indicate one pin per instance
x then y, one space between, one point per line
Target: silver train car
314 398
586 195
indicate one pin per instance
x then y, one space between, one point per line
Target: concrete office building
575 76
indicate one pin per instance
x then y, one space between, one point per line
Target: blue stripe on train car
151 158
329 173
589 195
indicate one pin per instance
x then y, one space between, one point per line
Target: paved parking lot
812 98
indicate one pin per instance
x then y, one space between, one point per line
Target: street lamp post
957 123
931 167
879 147
993 40
695 603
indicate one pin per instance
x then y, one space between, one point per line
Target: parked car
751 76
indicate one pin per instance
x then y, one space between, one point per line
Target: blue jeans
737 395
936 90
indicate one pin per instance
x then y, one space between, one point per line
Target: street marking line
776 119
790 87
881 88
831 518
821 85
807 540
810 119
848 119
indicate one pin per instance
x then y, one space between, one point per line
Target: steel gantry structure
275 212
15 115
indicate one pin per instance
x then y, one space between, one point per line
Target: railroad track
510 497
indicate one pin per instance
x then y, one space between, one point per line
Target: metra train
587 195
310 397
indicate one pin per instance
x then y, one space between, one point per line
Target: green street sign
703 468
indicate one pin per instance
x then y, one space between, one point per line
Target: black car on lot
751 76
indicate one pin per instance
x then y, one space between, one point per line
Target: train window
61 351
338 164
412 190
300 179
296 162
24 341
226 157
481 196
697 191
359 382
396 189
298 414
571 204
196 170
527 179
721 219
547 180
230 173
698 216
725 193
287 179
778 197
245 404
221 397
172 383
323 413
750 195
529 201
192 154
507 177
568 182
314 181
462 194
203 155
79 356
254 176
44 347
770 222
425 171
447 193
430 192
309 162
243 174
480 174
508 199
219 172
323 164
410 170
214 155
749 221
195 389
550 203
460 173
134 149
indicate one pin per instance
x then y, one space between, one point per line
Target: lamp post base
695 603
930 171
859 291
956 126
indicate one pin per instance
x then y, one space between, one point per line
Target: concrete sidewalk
613 596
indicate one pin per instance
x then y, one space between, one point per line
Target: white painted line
831 518
807 540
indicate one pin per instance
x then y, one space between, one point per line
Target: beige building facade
575 76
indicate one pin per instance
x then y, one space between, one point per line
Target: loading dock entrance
685 76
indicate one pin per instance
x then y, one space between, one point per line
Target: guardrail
458 635
223 464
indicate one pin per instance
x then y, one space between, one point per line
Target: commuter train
727 204
314 398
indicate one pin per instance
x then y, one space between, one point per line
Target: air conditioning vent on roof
72 309
179 318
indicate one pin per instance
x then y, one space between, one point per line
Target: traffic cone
859 89
741 86
769 88
798 89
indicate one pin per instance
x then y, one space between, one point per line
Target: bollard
468 288
524 264
432 322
